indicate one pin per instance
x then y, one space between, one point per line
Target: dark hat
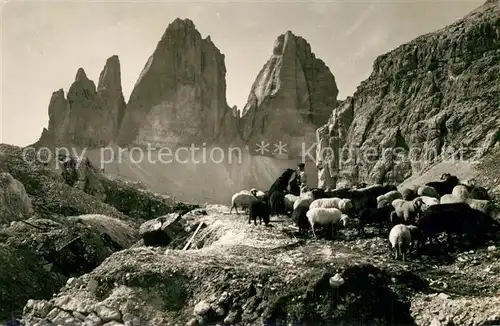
301 165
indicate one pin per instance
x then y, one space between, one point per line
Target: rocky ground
75 257
253 275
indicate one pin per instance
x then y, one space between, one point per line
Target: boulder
14 201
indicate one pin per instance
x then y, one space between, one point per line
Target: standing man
302 176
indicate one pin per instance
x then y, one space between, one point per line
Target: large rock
180 97
89 116
37 256
423 100
14 201
293 94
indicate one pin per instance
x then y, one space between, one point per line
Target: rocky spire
180 96
293 94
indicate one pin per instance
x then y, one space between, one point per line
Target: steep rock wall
435 97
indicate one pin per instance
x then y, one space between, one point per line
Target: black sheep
339 193
379 216
479 193
281 184
259 209
446 185
300 219
277 203
456 218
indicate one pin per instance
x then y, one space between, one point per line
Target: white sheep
390 196
242 199
482 205
257 193
326 217
461 192
400 239
304 200
428 191
397 203
325 203
450 199
428 201
345 205
290 199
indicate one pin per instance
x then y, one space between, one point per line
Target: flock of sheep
409 216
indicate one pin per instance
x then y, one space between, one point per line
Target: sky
44 43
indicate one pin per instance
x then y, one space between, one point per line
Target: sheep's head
445 176
253 191
418 202
345 220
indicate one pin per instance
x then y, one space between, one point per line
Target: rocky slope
88 117
253 275
291 97
180 96
428 97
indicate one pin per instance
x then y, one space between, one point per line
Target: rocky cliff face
293 94
89 116
180 97
425 100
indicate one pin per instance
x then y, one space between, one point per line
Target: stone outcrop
180 96
423 102
14 201
293 94
89 116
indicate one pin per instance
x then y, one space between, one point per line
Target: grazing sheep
307 198
460 191
378 216
450 199
277 203
400 239
428 201
384 203
326 217
408 194
257 193
456 218
479 193
281 183
446 185
409 210
484 206
346 206
289 200
325 203
427 191
259 208
397 203
299 217
242 199
339 193
390 196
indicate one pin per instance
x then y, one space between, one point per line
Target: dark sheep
281 184
456 218
446 185
261 210
339 193
379 216
479 193
300 219
277 203
408 194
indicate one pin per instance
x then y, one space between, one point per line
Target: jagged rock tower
293 94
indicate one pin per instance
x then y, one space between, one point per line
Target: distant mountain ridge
438 90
